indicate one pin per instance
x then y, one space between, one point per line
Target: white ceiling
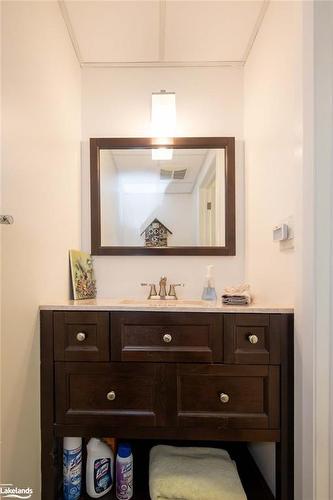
162 32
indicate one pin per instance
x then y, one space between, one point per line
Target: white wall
273 159
175 211
116 103
273 138
110 223
41 189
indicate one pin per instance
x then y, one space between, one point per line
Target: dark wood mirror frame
226 143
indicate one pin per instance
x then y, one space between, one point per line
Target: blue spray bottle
209 292
72 467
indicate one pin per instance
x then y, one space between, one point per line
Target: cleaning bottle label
124 480
72 473
102 474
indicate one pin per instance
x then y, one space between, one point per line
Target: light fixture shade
163 114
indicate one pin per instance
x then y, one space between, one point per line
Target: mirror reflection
162 197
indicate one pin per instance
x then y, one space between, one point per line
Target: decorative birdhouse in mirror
156 234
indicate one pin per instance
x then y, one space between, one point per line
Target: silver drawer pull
81 336
167 338
111 395
253 339
224 398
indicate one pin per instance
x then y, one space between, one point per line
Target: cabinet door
81 336
245 397
167 337
252 338
110 394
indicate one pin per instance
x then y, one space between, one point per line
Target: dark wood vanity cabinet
217 377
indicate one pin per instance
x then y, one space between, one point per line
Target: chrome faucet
152 290
172 291
162 294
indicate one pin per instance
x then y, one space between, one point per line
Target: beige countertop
189 305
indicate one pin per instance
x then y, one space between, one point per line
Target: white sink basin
164 303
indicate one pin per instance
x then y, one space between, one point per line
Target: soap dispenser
209 292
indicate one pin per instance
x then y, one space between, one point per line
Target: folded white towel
237 295
192 473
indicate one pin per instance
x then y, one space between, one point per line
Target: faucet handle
172 289
152 291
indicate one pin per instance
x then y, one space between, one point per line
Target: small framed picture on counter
82 274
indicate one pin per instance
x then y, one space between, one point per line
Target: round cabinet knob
111 395
167 338
253 339
224 398
81 336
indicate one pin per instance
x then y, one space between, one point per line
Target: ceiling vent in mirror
165 174
179 174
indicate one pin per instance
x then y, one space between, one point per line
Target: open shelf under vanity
252 480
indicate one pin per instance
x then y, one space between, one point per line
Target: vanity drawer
165 337
251 339
245 397
81 336
109 393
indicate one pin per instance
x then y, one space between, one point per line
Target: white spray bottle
209 292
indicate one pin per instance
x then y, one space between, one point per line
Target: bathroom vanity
179 372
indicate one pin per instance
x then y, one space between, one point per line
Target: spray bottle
72 459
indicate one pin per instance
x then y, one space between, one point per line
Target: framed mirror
170 198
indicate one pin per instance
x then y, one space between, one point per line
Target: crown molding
256 29
66 18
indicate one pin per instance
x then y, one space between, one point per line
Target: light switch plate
280 232
289 243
